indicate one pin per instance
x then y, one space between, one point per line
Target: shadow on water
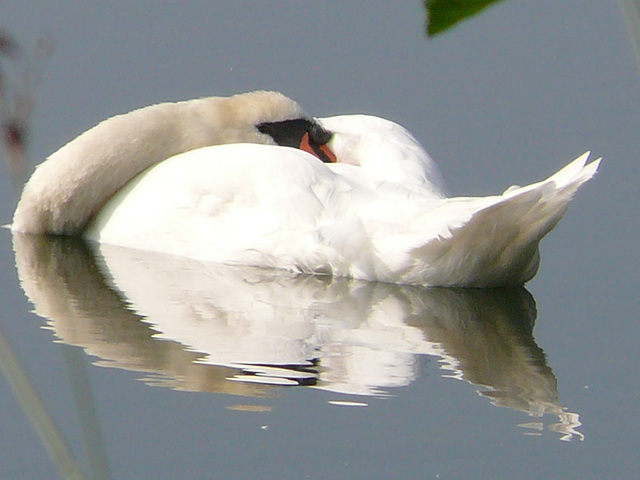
249 332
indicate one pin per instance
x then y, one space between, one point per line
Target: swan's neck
69 188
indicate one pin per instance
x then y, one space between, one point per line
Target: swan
251 180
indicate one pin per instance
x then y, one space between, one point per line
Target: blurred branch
38 415
631 13
20 75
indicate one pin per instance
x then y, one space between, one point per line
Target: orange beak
323 152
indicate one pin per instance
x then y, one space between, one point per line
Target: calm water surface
124 365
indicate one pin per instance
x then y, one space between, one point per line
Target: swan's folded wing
241 203
493 241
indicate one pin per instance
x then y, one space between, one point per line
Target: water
380 381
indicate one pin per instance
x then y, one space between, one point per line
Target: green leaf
443 14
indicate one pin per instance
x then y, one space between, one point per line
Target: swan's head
276 119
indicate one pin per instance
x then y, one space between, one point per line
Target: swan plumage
380 213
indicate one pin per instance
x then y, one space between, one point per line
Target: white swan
379 213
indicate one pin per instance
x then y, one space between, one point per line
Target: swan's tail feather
571 171
577 171
495 241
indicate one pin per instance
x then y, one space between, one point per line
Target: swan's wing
494 240
227 203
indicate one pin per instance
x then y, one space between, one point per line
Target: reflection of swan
379 213
198 326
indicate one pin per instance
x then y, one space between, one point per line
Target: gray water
115 375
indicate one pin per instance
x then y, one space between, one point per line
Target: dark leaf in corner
443 14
